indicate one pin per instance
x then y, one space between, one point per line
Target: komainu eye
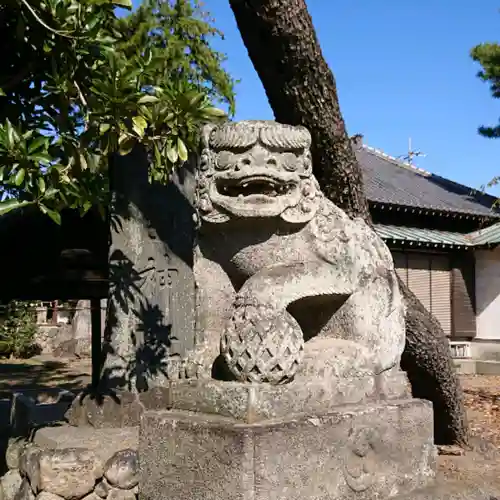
290 161
225 160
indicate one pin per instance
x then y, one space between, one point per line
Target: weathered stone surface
152 238
10 484
52 338
92 496
102 489
295 287
255 402
29 465
454 490
70 473
117 494
45 495
121 470
121 409
104 443
21 414
25 492
13 452
355 452
81 326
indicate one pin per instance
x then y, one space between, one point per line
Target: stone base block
255 402
368 451
242 401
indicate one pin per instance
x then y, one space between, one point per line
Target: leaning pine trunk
282 44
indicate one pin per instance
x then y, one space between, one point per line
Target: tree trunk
282 44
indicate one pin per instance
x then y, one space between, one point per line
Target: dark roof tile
390 181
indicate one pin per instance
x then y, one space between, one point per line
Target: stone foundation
72 463
365 451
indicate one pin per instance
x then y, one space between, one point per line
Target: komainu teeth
240 197
245 185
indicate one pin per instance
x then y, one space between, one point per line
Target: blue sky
403 70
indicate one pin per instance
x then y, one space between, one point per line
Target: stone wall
47 459
72 338
72 463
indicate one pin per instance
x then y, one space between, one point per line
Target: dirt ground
481 464
42 372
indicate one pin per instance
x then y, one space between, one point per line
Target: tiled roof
389 181
487 236
422 237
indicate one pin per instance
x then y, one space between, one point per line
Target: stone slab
255 402
30 409
355 452
247 402
104 442
116 409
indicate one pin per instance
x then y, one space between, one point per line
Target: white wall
488 294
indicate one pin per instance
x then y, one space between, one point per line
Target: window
428 276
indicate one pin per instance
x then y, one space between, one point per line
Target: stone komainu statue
288 285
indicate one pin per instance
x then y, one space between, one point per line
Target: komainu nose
245 161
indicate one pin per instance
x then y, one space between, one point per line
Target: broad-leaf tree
78 83
282 44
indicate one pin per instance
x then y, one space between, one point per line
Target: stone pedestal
260 442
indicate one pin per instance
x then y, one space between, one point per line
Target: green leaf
172 153
126 146
196 99
11 134
104 127
214 112
85 208
19 178
157 154
40 157
182 150
55 216
2 93
11 204
41 185
37 144
127 4
51 192
147 99
139 125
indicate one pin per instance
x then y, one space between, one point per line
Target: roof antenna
408 158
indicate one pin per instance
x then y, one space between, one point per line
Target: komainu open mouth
250 186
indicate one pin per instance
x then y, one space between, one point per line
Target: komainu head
256 169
